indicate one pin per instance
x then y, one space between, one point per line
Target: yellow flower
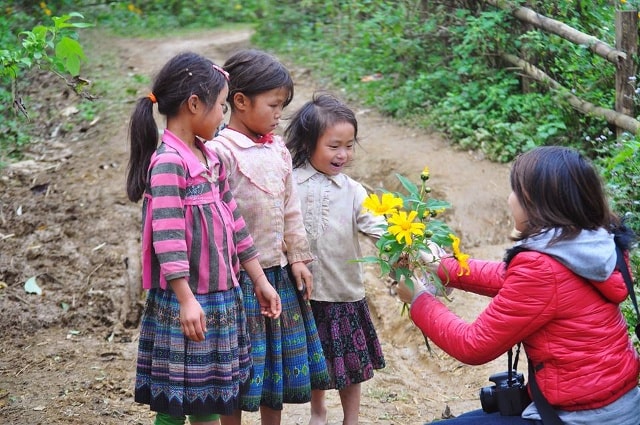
43 5
402 226
463 259
388 204
47 12
424 176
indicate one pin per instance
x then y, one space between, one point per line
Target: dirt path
68 356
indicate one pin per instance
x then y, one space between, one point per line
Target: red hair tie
152 98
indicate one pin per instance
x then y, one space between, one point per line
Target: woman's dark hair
252 72
310 121
559 188
184 75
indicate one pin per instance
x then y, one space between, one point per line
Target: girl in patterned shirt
287 355
194 348
321 137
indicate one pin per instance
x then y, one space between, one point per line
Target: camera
508 396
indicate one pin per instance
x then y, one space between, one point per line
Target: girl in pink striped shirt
194 349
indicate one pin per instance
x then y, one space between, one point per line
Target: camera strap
622 266
548 415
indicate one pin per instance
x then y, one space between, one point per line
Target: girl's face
264 111
208 121
520 217
334 149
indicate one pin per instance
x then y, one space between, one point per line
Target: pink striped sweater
191 225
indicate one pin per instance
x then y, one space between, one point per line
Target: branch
619 120
563 30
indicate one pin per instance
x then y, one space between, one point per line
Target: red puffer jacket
570 326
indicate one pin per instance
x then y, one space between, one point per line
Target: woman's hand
406 293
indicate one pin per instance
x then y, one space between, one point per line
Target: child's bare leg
234 419
318 408
350 399
270 416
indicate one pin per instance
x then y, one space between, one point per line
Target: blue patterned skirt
349 341
287 355
178 376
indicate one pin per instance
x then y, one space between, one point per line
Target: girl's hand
192 320
270 305
267 296
303 277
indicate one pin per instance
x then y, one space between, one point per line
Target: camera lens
488 399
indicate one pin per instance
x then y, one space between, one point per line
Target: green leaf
367 259
408 185
70 53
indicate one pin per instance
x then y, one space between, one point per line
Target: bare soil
67 355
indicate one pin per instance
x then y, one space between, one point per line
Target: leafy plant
53 48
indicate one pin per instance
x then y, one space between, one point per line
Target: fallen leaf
31 286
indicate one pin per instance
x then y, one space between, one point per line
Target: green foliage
37 36
53 48
439 65
151 17
51 45
621 171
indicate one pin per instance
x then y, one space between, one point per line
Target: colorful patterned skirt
287 355
349 341
178 376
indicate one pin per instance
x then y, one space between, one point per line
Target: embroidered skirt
178 376
349 341
287 355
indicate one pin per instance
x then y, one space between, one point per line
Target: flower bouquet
412 232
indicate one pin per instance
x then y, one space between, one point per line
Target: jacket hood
592 254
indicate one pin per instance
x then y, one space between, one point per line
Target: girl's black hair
309 123
184 75
252 72
559 188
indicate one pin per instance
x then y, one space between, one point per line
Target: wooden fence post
626 41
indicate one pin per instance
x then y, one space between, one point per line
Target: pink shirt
192 227
260 176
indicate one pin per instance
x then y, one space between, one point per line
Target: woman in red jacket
557 291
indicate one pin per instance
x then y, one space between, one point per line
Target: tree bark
626 40
561 29
620 120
